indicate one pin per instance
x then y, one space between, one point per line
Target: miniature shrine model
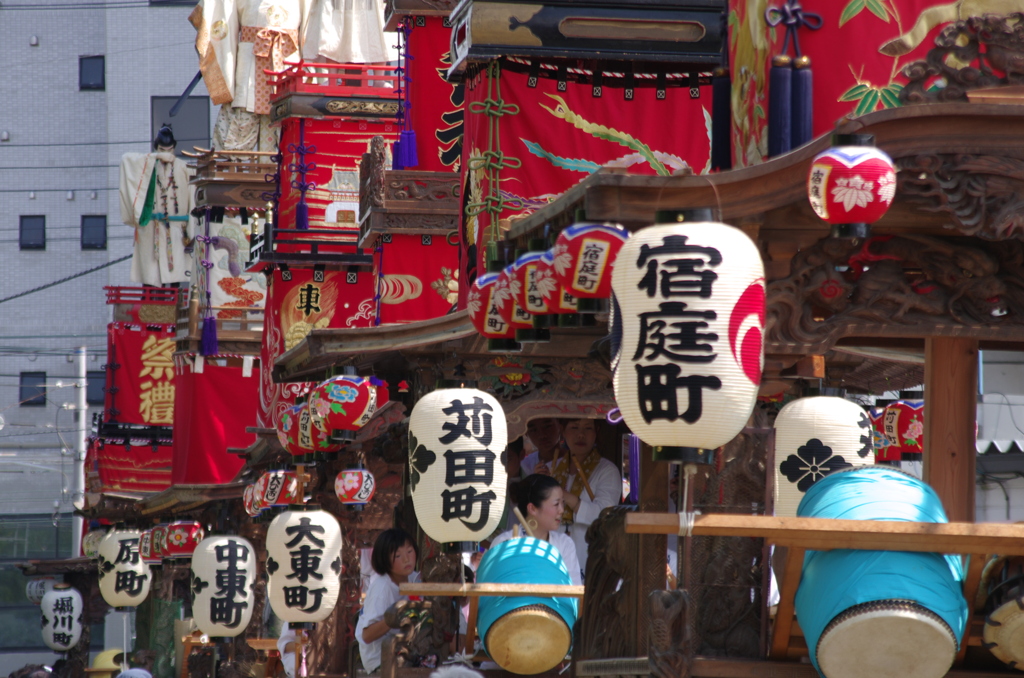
369 335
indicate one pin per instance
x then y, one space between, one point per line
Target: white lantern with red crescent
62 611
345 402
815 437
304 564
457 439
124 578
585 256
691 308
223 585
355 486
853 182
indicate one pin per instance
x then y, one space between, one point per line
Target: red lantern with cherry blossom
851 184
903 428
529 296
510 285
182 539
345 403
355 487
559 298
490 311
289 427
584 257
277 488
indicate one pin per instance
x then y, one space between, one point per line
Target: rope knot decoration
791 15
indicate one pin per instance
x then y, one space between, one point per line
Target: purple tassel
208 341
780 101
634 469
397 154
803 109
374 381
302 216
408 148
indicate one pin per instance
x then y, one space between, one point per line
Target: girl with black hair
394 559
542 504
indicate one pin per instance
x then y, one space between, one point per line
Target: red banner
296 306
214 407
856 56
138 468
551 139
435 105
140 374
418 277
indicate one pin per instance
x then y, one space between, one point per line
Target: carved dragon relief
897 286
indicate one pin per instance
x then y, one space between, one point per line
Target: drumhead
1004 633
529 640
886 639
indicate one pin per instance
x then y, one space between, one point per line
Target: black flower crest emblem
812 462
419 461
197 586
865 438
272 565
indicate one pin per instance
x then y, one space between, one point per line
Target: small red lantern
584 257
249 501
852 183
289 426
529 297
146 548
277 488
490 311
344 402
182 539
355 486
903 428
510 286
559 298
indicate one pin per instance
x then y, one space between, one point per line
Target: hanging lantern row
688 322
515 304
338 405
851 185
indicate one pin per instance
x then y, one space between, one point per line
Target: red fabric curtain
138 468
140 374
436 105
418 277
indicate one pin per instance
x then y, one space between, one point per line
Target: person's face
545 433
580 435
549 514
403 563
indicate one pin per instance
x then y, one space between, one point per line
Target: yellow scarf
564 467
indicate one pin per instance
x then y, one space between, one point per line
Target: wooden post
653 549
950 413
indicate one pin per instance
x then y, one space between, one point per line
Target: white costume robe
159 257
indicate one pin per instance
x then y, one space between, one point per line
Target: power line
60 167
80 5
94 143
64 280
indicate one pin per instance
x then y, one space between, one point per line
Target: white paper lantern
124 577
691 305
304 563
223 577
457 441
813 438
62 610
38 587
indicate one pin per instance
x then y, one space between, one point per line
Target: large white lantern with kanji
815 437
457 441
690 312
62 611
223 578
124 577
304 564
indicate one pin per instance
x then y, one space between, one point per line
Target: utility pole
81 425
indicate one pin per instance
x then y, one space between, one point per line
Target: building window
94 232
91 73
32 232
95 383
191 125
32 389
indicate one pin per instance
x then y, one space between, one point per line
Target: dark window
32 389
191 125
94 388
91 73
32 232
94 232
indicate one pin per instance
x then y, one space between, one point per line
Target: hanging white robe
346 31
159 257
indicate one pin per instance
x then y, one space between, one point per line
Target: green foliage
868 97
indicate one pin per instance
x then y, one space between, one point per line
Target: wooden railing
243 327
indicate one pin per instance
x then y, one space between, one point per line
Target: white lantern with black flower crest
223 581
62 611
457 439
814 437
124 577
304 564
690 314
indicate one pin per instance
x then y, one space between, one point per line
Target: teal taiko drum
879 614
525 635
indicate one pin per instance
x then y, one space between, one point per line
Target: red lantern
355 486
853 182
277 488
383 392
584 257
559 298
289 428
146 548
159 545
344 402
249 501
510 286
903 428
489 307
182 539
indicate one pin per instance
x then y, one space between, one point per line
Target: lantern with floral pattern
490 311
355 487
345 402
851 184
584 258
182 538
528 294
